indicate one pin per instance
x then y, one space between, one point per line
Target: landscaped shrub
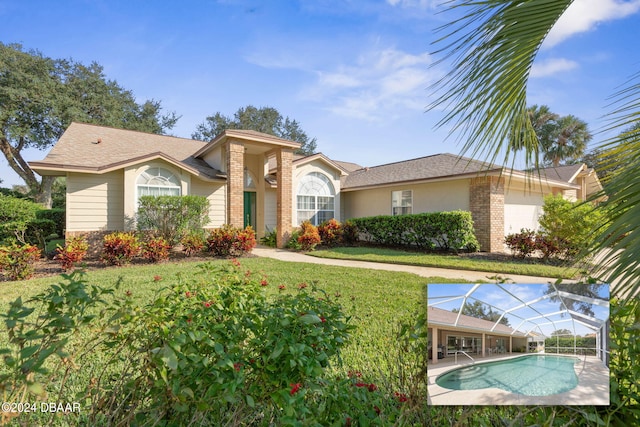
330 232
58 216
293 240
309 237
270 238
350 233
120 248
17 261
231 241
569 226
156 249
38 231
193 243
74 251
212 348
15 214
444 230
172 216
522 244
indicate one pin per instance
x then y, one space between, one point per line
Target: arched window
158 182
315 199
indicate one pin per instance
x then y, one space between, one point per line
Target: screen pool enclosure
517 318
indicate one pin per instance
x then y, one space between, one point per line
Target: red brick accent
235 184
486 202
284 175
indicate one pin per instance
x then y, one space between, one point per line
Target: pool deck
592 388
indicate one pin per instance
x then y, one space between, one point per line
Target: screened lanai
517 318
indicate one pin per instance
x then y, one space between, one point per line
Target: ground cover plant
397 256
368 384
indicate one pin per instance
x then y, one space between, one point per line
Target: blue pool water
534 375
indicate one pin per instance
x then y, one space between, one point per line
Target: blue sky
499 299
355 74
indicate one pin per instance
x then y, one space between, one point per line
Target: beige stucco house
252 178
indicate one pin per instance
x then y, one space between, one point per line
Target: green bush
569 226
15 215
293 240
212 349
58 216
171 217
444 230
350 233
270 238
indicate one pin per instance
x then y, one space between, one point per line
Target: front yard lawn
377 301
459 262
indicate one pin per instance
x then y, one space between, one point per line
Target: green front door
250 209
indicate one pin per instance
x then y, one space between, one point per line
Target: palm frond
493 46
619 240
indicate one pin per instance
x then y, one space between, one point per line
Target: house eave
53 169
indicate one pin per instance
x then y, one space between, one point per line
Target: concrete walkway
472 276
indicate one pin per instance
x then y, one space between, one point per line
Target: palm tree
492 48
567 141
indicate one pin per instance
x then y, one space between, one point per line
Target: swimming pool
532 375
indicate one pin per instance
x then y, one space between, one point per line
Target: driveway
468 275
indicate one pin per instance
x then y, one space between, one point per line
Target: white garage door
522 210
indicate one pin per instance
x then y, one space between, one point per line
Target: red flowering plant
192 243
330 232
228 241
17 262
156 249
308 238
120 248
74 251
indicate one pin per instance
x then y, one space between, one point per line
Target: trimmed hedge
58 216
432 230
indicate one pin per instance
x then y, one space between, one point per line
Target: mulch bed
49 267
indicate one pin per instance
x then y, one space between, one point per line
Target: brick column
486 202
284 175
235 184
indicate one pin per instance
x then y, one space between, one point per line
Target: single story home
449 332
252 178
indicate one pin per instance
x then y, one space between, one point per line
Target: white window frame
151 174
401 206
309 201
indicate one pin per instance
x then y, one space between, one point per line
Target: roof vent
97 142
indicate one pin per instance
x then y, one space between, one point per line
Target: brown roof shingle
78 148
423 168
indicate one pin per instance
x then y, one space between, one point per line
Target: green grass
395 256
376 300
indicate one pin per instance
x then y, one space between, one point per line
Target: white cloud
552 66
376 85
421 4
585 15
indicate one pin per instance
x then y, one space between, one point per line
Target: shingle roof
444 317
562 173
423 168
91 147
